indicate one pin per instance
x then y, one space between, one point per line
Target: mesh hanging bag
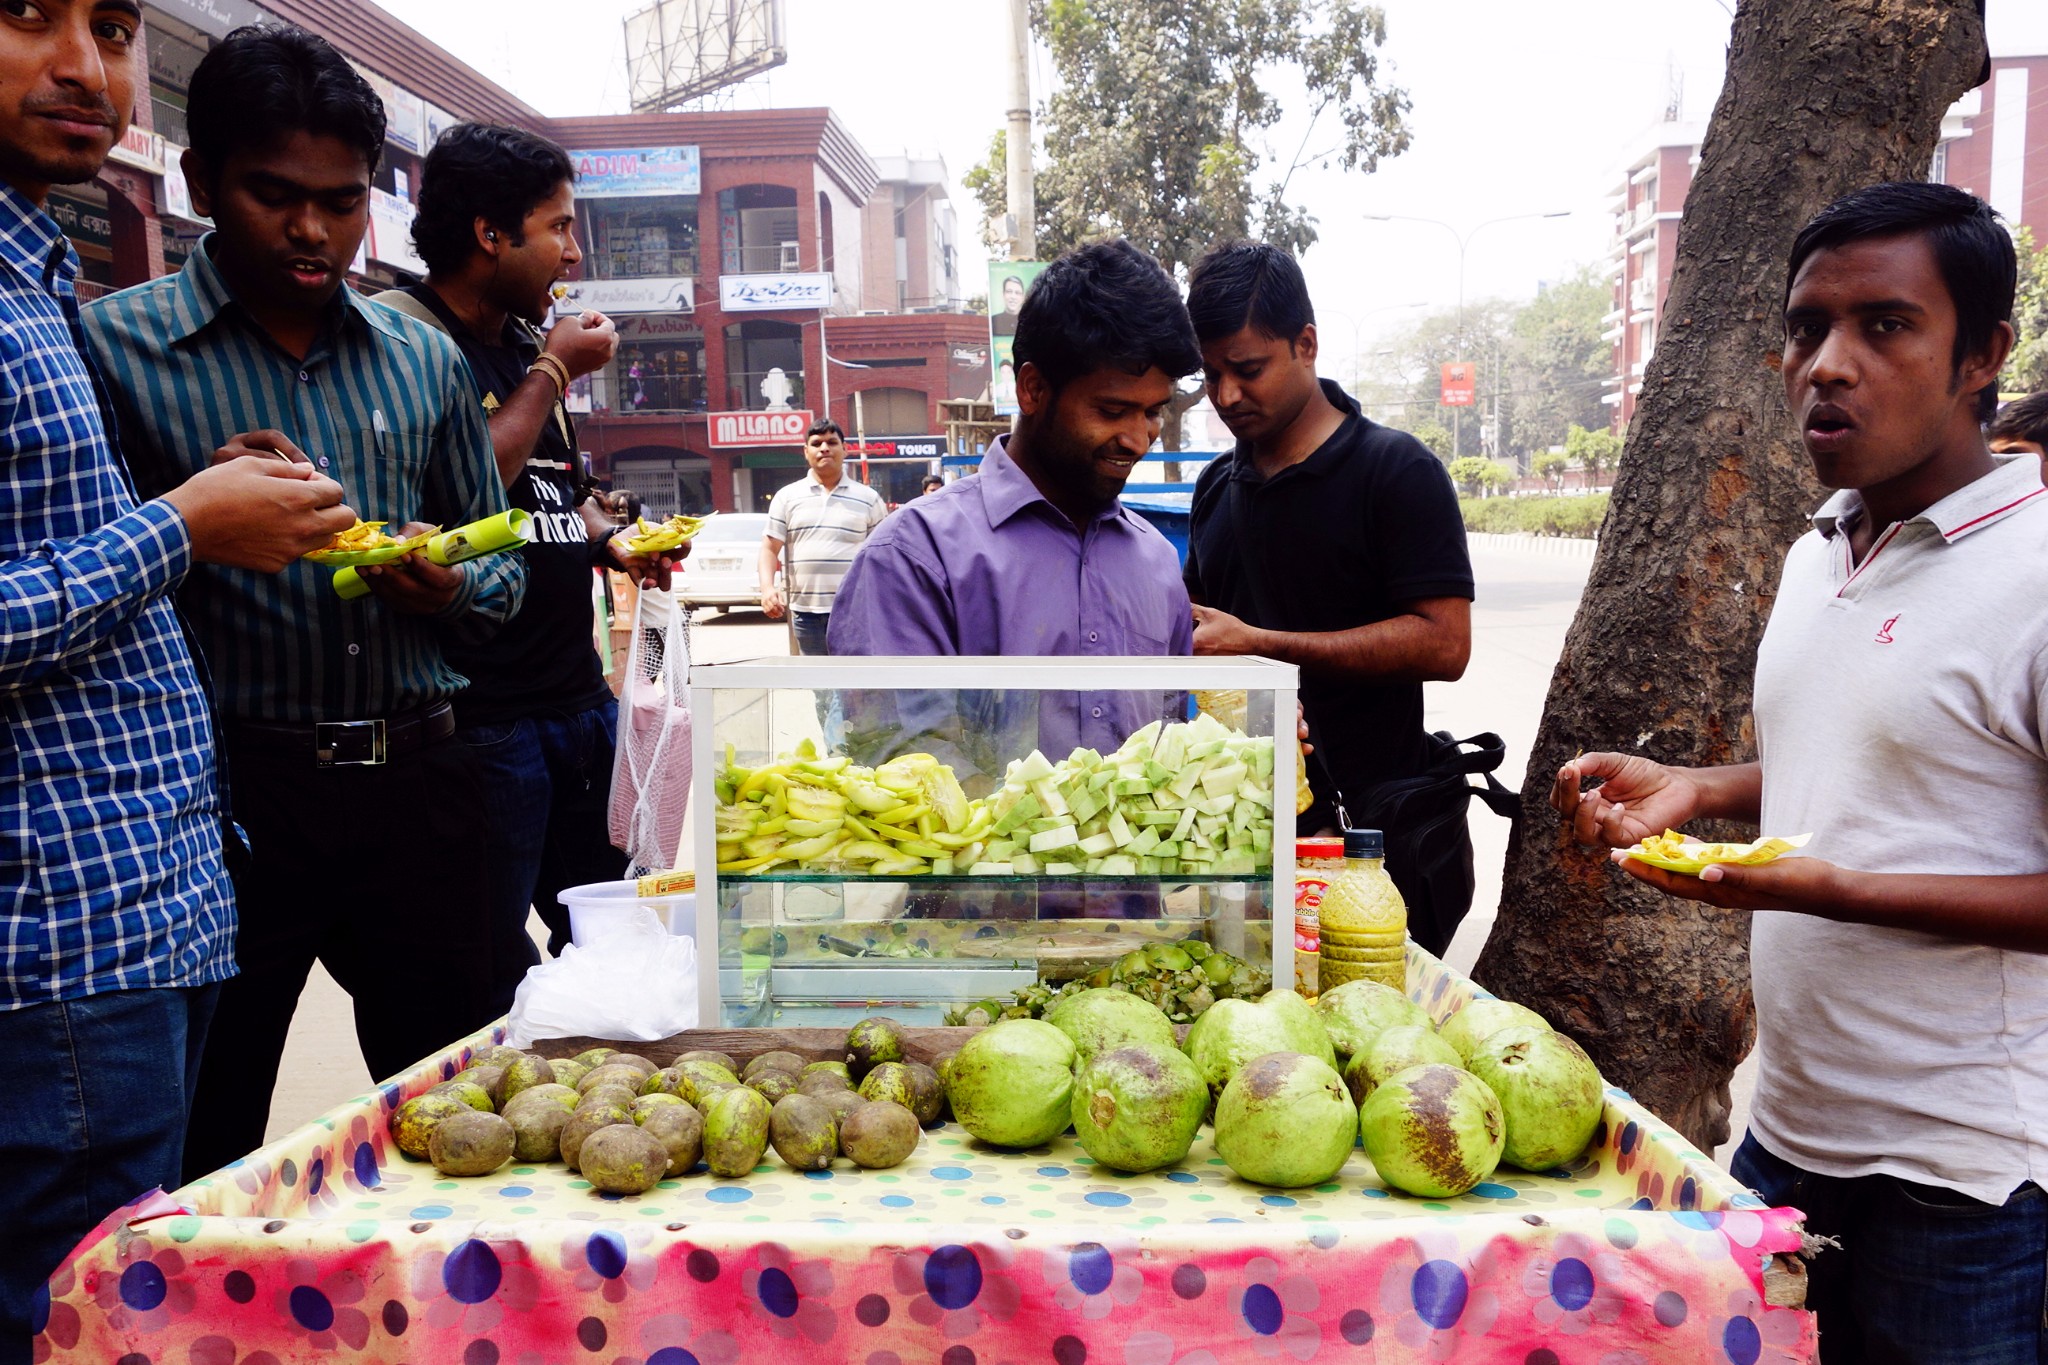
652 768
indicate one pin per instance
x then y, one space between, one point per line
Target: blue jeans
547 795
1925 1276
808 629
97 1093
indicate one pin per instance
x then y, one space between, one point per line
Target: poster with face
1008 283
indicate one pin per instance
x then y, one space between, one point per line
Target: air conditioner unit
874 312
791 263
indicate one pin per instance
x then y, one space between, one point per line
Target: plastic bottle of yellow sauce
1363 923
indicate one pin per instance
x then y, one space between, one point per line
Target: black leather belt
351 743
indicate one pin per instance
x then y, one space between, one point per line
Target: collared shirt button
357 649
1097 713
305 378
1091 637
322 462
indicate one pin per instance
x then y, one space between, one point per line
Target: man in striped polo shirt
821 520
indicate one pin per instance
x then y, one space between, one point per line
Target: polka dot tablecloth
330 1243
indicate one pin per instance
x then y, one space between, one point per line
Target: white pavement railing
1570 547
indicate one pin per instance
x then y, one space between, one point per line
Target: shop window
894 412
825 232
764 366
757 230
627 239
658 376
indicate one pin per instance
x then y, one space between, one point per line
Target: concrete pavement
1527 597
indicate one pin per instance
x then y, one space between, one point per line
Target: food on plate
1674 852
650 539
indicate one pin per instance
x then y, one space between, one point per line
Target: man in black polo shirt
1334 543
496 227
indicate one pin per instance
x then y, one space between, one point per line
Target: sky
1518 109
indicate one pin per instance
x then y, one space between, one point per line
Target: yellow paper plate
1674 852
382 554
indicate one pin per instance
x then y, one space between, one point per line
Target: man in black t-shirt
1330 542
496 227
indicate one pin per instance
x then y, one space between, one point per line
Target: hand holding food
367 542
650 539
1674 852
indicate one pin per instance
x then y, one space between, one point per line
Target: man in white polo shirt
1901 705
814 527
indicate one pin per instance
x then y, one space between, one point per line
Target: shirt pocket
386 475
1139 645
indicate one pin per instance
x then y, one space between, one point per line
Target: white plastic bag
651 771
637 982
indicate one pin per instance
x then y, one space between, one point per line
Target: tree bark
1821 97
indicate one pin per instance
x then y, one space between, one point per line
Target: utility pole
1022 199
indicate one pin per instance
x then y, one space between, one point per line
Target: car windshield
730 527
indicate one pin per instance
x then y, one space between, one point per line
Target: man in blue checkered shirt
116 916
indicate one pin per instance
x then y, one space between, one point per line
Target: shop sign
404 112
391 232
971 357
436 121
771 293
730 430
218 17
658 327
176 196
655 294
140 150
902 447
635 172
82 221
1459 385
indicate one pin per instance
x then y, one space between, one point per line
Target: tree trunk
1822 96
1171 435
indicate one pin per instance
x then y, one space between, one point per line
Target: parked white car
723 569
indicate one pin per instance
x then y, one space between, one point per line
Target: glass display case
948 839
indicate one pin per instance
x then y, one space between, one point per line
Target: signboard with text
635 172
218 17
758 428
733 430
655 294
769 293
901 447
141 149
1459 385
390 238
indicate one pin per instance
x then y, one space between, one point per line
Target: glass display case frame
718 695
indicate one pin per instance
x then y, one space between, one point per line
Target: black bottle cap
1364 843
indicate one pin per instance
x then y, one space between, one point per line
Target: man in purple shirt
1034 554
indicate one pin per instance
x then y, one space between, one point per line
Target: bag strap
1489 751
398 300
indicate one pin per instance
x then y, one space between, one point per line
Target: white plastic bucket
602 906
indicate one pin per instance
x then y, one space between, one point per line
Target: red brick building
729 246
1994 143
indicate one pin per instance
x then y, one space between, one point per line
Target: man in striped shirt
360 804
814 528
116 916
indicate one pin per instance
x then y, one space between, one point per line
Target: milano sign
733 430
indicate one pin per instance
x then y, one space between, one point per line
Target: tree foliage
1594 451
1156 125
2027 370
1550 467
1468 472
1540 366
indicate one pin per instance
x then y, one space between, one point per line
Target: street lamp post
1464 239
1357 325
